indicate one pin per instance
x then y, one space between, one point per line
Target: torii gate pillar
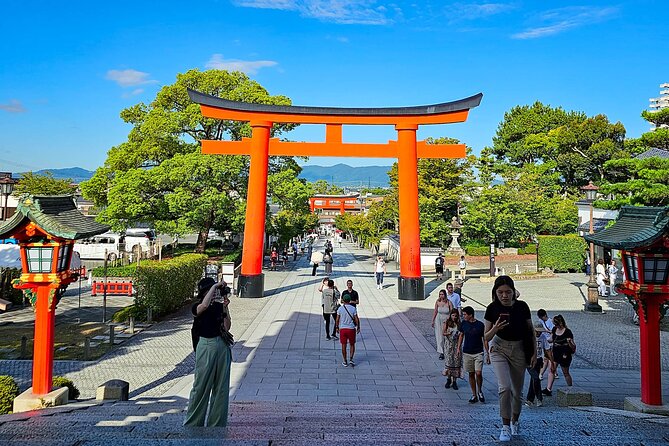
411 286
252 280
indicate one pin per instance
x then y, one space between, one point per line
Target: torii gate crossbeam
406 149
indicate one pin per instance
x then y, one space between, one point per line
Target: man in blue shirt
473 347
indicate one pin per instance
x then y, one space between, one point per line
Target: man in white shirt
454 298
347 324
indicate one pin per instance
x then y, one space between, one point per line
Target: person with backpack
439 266
347 325
211 386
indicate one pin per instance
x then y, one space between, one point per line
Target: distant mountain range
345 175
76 174
339 174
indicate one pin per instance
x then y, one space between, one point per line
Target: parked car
139 238
94 248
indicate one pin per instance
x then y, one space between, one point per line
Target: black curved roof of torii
434 109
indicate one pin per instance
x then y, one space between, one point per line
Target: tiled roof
56 214
597 224
636 227
653 152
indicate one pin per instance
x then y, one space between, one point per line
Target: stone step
159 422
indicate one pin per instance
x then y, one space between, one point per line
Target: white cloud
246 66
129 78
134 92
338 11
13 106
473 11
560 20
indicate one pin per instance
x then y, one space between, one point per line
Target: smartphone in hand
504 317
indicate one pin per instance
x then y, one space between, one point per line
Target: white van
94 248
139 238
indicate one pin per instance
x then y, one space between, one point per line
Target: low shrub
124 314
9 292
529 249
8 391
116 271
164 286
72 391
561 253
235 256
477 250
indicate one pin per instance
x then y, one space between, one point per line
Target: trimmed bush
561 253
117 271
234 256
529 249
10 293
72 391
124 314
8 391
165 286
477 250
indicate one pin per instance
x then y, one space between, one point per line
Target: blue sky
69 68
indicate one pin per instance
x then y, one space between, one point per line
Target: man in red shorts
347 325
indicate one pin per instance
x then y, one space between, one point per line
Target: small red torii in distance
406 149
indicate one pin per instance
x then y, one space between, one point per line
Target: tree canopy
640 182
36 184
159 174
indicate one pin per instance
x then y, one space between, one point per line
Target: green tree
322 187
641 182
575 145
159 174
36 184
443 185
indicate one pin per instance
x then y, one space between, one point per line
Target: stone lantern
454 248
642 236
45 228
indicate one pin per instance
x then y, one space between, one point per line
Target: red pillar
411 285
251 283
45 325
649 333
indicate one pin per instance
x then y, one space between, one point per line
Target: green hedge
117 271
477 250
60 381
8 291
561 253
8 391
165 286
529 249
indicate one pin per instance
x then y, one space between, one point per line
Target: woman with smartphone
510 334
211 386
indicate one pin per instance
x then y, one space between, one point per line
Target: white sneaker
540 403
505 434
515 428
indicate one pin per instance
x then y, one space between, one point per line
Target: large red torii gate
406 149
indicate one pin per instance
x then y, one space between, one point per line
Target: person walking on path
534 389
316 258
601 277
563 349
508 329
549 364
442 308
328 261
439 266
462 265
454 298
329 302
452 352
211 385
347 324
379 271
613 275
355 299
473 347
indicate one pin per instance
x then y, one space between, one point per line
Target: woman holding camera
211 386
510 333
